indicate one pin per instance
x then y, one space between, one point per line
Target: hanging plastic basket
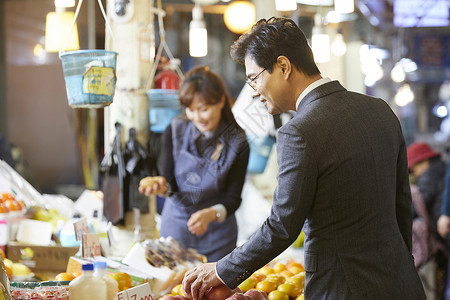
90 77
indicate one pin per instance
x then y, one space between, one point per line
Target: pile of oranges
8 203
123 279
279 281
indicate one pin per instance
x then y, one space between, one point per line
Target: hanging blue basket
90 77
260 149
163 107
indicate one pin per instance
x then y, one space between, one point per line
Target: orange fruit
278 295
298 280
278 267
247 284
77 274
123 279
293 263
3 208
277 278
287 273
258 277
12 205
64 277
296 269
266 270
6 196
8 272
266 286
290 289
176 290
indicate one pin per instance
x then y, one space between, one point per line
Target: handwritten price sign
81 227
140 292
91 245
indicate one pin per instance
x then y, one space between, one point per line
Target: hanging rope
162 46
77 11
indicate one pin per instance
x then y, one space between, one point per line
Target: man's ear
285 66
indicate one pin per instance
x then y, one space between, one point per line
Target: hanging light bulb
239 16
64 3
57 26
404 95
285 5
198 36
338 47
397 73
320 41
344 6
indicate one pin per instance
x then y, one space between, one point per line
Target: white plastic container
112 287
87 286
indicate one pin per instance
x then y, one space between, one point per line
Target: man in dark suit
342 177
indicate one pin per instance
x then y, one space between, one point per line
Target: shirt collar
309 88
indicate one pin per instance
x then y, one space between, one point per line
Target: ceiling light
64 3
320 41
344 6
338 47
57 27
404 95
198 36
285 5
239 16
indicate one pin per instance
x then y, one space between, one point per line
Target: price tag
91 245
109 232
81 227
140 292
122 295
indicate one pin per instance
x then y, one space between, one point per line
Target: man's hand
443 225
198 280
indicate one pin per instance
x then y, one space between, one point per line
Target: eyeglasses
251 81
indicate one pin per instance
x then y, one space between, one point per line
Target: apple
174 297
237 296
219 292
256 294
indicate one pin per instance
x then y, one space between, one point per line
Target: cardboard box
41 258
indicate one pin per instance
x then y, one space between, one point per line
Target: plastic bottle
87 286
112 287
168 78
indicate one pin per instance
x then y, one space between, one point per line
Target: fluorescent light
198 36
344 6
285 5
64 3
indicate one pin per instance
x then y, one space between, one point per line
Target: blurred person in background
427 172
204 163
342 177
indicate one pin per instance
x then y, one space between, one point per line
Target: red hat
418 152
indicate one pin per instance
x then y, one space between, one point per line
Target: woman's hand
443 225
156 185
199 221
